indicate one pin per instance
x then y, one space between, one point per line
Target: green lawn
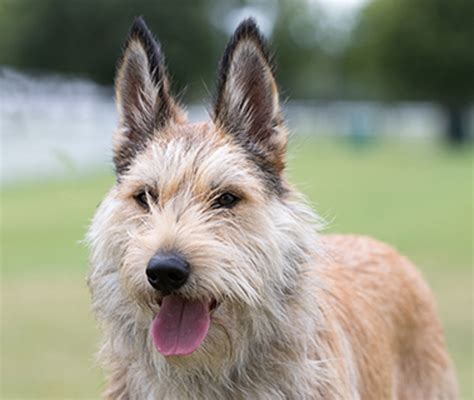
416 196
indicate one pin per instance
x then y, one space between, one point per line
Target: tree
84 37
302 63
419 49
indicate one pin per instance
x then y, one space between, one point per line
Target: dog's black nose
167 271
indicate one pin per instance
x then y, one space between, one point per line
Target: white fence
52 126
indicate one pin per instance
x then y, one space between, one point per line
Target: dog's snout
167 271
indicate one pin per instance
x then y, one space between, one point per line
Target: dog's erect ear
247 104
142 94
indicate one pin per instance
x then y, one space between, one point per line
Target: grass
416 196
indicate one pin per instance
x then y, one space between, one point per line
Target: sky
340 5
340 8
339 14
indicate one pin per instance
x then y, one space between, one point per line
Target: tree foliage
416 49
84 37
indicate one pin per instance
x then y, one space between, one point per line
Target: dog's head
201 241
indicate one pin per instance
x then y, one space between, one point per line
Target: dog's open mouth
181 325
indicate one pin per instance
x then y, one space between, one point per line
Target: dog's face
198 240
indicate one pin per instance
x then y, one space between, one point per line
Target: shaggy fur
301 315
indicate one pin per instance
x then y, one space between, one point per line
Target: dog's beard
241 318
226 316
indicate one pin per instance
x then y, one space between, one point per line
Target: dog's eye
226 200
142 199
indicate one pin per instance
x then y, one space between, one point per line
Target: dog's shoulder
356 250
364 269
379 298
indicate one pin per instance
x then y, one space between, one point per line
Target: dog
208 276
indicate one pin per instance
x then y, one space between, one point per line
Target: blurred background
379 96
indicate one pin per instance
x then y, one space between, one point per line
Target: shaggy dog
208 277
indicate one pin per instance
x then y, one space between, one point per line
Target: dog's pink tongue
180 326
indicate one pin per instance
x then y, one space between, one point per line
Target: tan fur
380 298
301 316
357 321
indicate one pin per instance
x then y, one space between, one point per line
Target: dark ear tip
249 30
139 22
248 27
140 30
